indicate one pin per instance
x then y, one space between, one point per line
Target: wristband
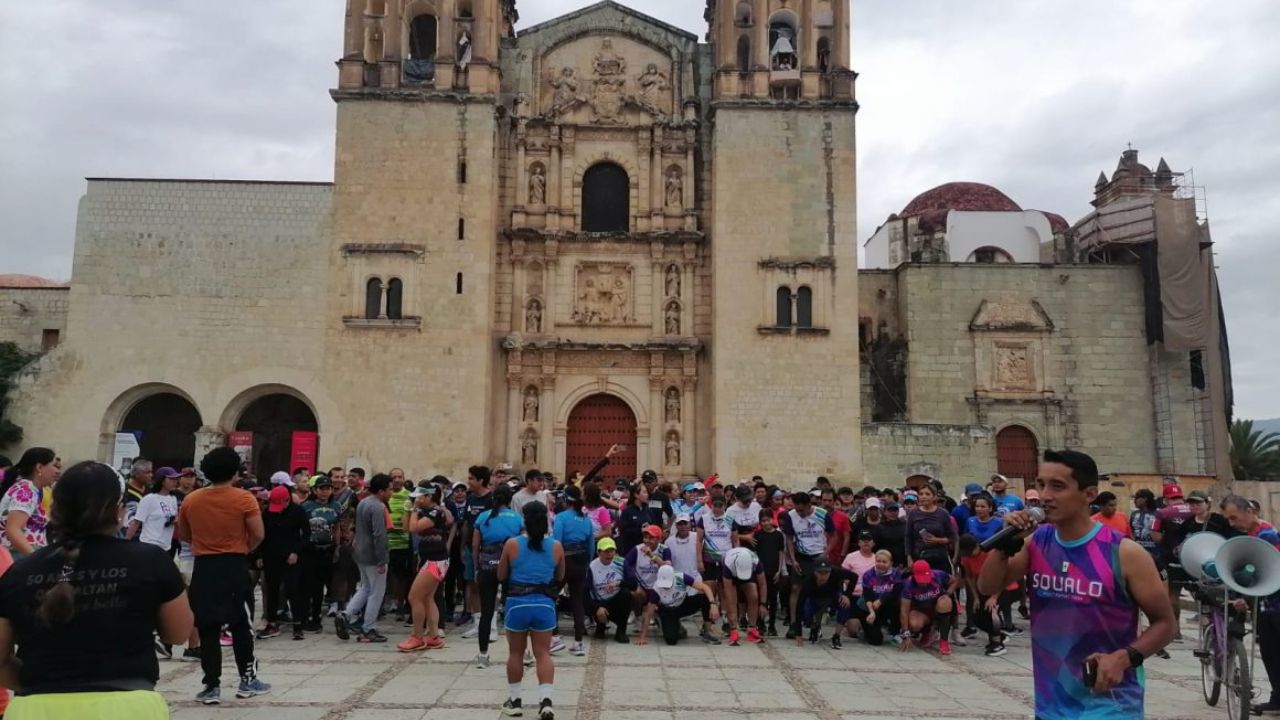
1009 546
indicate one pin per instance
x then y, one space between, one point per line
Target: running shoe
164 650
602 629
545 711
371 636
482 661
1162 654
1014 631
944 647
471 632
297 633
435 642
968 632
996 650
793 632
836 644
577 649
341 627
252 687
557 645
773 630
621 636
312 627
269 631
754 636
333 610
210 695
512 708
708 638
815 634
191 655
225 639
413 644
733 637
1024 612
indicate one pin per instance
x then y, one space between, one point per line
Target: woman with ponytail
22 507
493 528
83 612
427 519
532 566
577 534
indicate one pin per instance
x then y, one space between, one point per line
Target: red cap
922 572
653 531
279 499
1172 491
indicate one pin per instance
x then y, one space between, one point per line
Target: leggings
986 623
278 573
452 585
669 617
886 620
618 607
770 599
575 573
487 583
318 576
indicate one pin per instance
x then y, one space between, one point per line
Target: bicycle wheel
1239 682
1210 672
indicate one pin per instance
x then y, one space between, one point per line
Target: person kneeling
670 600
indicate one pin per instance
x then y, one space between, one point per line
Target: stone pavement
324 678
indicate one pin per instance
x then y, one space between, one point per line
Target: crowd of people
441 561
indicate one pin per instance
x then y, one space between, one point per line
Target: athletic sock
513 690
544 691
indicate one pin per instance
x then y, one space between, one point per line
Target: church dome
969 196
16 280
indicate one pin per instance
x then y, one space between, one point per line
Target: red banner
303 451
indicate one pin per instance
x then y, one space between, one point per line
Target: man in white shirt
157 512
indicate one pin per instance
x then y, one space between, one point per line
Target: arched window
1017 454
804 307
824 53
783 41
373 298
420 66
990 256
744 54
784 306
395 299
606 199
742 14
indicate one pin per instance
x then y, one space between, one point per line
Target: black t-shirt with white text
120 587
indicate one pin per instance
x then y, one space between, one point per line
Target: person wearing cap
675 596
926 606
157 512
318 555
745 514
428 521
690 500
1172 523
1033 498
1078 626
858 562
891 533
1205 519
964 509
869 517
286 531
742 577
1005 500
606 600
493 528
717 534
685 547
808 531
824 589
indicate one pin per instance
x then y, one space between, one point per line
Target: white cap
683 517
871 503
666 578
281 477
740 562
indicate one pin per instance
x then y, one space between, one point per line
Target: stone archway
273 416
596 423
165 424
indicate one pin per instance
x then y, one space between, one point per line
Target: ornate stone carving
673 281
608 61
675 188
671 319
529 447
653 90
566 93
1011 314
673 449
531 396
1013 368
537 184
533 317
673 405
603 294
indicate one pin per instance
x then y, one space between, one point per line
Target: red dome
1056 222
968 196
16 280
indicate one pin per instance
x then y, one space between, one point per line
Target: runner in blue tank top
1086 584
532 566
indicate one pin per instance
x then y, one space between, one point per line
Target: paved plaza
323 678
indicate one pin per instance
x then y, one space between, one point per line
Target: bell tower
784 250
438 44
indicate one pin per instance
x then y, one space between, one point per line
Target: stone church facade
598 230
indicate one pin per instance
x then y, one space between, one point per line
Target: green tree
1255 455
12 359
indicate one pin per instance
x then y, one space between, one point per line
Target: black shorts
712 569
1178 577
807 562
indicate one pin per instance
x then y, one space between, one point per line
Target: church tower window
783 41
744 54
395 299
373 298
784 306
420 66
606 199
804 307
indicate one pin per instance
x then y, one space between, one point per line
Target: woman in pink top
857 562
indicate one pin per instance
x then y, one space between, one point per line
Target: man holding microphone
1086 583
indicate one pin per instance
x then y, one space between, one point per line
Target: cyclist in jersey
606 600
1087 584
532 566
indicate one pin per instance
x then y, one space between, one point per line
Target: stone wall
954 454
28 315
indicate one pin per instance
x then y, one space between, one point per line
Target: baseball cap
910 496
1033 495
683 517
459 486
421 490
648 475
972 489
321 481
279 499
653 531
822 566
739 562
998 476
864 535
816 492
666 577
189 472
166 472
606 544
872 502
281 477
1197 496
779 493
892 506
1172 491
692 487
921 571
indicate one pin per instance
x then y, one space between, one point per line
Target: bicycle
1224 659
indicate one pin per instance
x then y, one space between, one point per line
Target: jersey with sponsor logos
605 579
717 535
1080 606
808 533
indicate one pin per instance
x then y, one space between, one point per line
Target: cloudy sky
1033 96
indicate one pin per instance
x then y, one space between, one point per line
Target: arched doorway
165 424
606 199
273 419
1017 453
597 423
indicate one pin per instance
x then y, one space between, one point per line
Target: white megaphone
1198 554
1249 566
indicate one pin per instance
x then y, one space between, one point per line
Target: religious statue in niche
603 295
566 91
537 185
675 189
673 449
464 50
673 281
533 317
673 405
1013 368
529 448
653 86
531 404
672 319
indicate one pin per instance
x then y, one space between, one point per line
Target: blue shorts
468 566
530 613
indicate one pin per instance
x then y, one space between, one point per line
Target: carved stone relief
529 447
675 188
673 405
531 396
1013 368
566 93
533 317
653 90
673 449
673 281
537 184
603 294
671 318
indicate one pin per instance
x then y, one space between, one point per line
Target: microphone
1008 531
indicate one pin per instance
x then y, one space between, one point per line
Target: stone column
657 202
522 175
690 178
657 418
547 427
760 45
566 173
688 414
807 37
553 180
515 426
518 293
550 288
208 438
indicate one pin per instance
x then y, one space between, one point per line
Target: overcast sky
1032 96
